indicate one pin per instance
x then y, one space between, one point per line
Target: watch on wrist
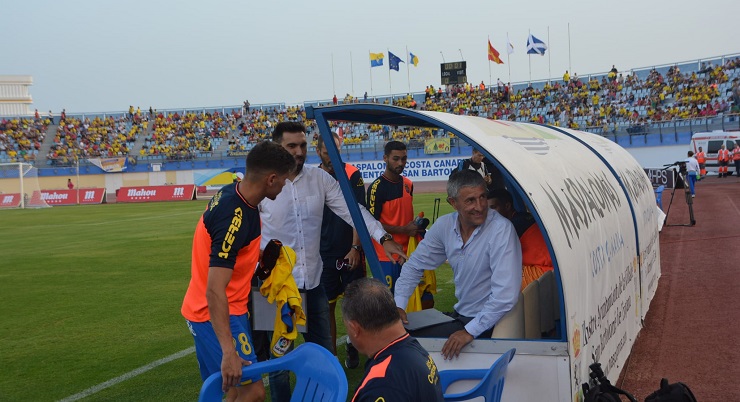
357 247
385 238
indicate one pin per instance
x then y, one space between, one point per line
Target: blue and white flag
535 46
393 61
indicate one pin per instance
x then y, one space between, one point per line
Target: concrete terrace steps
139 143
46 144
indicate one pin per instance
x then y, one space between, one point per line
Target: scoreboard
454 73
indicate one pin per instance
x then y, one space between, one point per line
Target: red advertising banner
156 193
69 197
12 200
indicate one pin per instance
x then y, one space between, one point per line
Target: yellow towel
280 288
428 283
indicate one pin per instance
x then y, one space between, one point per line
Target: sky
102 56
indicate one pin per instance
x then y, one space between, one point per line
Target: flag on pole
376 59
413 59
393 61
509 46
535 46
493 54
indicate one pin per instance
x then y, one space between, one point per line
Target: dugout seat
511 325
491 385
547 307
532 311
319 377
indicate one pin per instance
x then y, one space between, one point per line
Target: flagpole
371 74
352 72
408 75
390 86
530 58
489 65
570 68
333 87
549 56
508 55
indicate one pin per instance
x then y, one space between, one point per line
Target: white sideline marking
129 375
143 369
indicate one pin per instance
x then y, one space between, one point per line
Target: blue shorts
208 350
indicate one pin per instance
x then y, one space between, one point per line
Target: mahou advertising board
156 193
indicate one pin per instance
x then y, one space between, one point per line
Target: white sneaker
693 195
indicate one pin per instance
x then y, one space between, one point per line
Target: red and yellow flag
493 54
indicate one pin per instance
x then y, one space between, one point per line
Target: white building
14 97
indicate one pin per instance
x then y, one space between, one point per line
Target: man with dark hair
486 259
294 218
536 258
398 368
341 251
479 163
390 200
226 248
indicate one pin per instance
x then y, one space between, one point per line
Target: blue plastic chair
491 386
319 377
659 196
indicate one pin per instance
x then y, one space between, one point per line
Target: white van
711 142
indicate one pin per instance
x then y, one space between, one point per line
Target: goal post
19 186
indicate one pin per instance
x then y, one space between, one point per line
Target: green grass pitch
93 292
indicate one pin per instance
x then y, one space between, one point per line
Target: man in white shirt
294 218
692 168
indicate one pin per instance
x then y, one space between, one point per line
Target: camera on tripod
680 182
681 167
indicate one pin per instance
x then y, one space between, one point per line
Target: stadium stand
21 138
647 102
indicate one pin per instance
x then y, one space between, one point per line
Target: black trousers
446 329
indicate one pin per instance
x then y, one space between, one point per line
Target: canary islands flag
376 59
413 59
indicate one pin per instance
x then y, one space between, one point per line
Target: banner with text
70 197
586 213
156 193
424 169
109 165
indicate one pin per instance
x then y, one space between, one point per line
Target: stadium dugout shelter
596 209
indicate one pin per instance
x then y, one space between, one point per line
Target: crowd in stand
99 137
20 138
603 104
176 136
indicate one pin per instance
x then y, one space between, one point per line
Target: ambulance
711 142
596 210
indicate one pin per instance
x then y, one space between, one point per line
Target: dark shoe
353 358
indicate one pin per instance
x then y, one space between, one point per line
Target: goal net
19 186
